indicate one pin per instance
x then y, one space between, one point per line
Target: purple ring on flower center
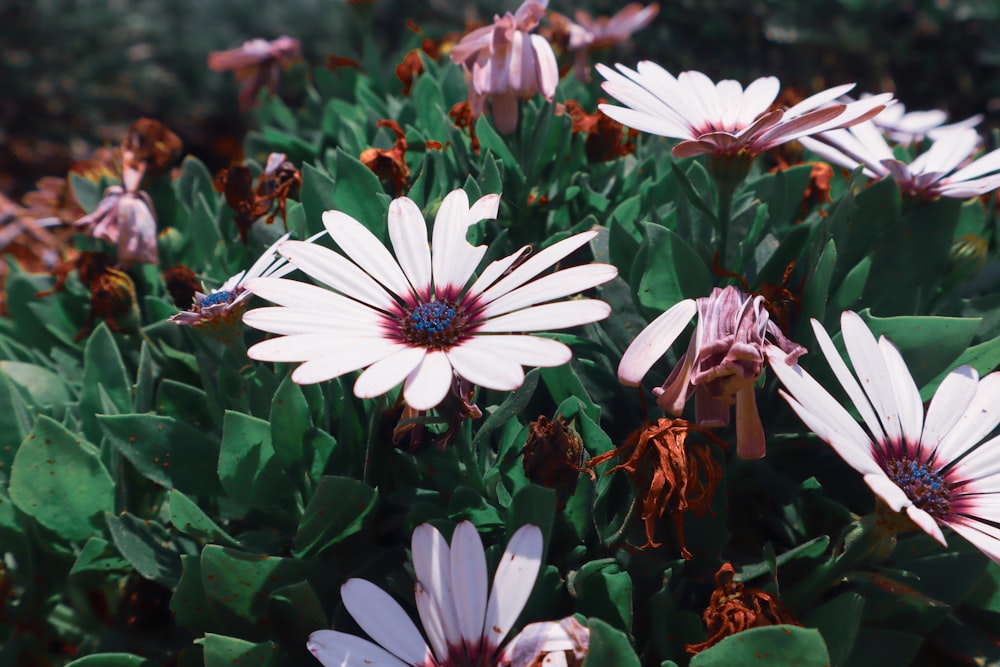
435 324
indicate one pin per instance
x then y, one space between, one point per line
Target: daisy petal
561 315
278 320
480 363
384 620
366 251
872 372
981 417
338 649
553 286
295 294
338 362
408 233
512 584
975 533
454 258
926 523
468 580
429 382
388 372
885 489
302 347
536 264
949 403
432 564
336 271
911 408
654 341
528 350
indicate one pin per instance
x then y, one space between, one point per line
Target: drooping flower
389 164
222 307
125 218
722 119
934 465
723 361
463 627
257 63
946 169
414 318
735 607
588 34
504 63
671 472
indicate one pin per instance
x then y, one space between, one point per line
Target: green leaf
984 357
194 180
15 420
165 451
59 480
188 518
535 505
838 621
667 270
232 652
300 610
43 387
184 403
337 510
609 647
316 196
188 604
512 406
111 660
849 292
289 423
489 140
88 193
102 367
355 194
147 546
884 648
604 590
861 218
99 555
772 646
144 381
249 470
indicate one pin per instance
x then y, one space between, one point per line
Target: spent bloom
223 306
934 465
415 318
505 63
257 63
588 33
723 361
722 119
946 169
463 626
125 218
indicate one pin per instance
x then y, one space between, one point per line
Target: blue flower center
436 324
214 298
926 488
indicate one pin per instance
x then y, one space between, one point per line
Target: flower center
436 324
214 298
926 488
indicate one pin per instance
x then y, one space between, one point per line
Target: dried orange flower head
390 164
150 141
182 284
734 608
408 70
553 456
671 472
607 139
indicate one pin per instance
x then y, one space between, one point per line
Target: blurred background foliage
76 72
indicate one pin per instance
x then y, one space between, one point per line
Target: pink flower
125 218
722 119
723 361
257 64
505 63
589 34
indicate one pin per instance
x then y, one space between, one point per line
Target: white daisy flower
946 169
933 466
463 627
722 119
415 318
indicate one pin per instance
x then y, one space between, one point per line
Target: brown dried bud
553 456
182 283
390 165
605 139
150 141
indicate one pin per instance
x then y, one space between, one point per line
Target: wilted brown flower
112 292
279 180
461 114
390 165
183 284
734 608
335 62
407 70
604 135
276 183
553 456
151 142
671 473
818 190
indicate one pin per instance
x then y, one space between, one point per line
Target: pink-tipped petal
653 342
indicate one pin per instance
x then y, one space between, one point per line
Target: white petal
984 165
911 408
926 523
266 261
432 565
388 372
554 286
279 320
887 490
975 533
480 363
343 361
512 584
653 341
536 264
408 233
981 417
454 258
527 350
338 272
468 580
872 372
428 383
485 208
366 251
757 98
338 649
303 347
432 621
494 270
560 315
384 620
948 405
295 294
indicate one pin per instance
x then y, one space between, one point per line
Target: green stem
463 447
722 220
